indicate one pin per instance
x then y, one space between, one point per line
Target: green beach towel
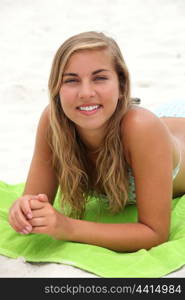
156 262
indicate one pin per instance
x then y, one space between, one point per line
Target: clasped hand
35 214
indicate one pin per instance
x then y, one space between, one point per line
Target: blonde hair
69 152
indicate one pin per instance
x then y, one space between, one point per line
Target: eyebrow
93 73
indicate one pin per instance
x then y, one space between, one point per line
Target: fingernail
24 231
28 228
29 215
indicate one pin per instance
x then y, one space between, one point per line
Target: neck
91 138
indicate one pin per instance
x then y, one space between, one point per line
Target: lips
89 110
88 105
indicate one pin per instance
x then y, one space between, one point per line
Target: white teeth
88 108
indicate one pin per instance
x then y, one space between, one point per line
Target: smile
88 110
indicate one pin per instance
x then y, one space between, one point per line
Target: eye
70 80
97 78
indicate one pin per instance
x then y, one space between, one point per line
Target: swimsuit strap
177 168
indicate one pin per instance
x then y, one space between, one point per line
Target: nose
86 90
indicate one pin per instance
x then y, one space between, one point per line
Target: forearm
119 237
127 237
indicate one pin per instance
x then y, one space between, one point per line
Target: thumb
43 198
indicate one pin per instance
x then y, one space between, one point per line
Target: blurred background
151 35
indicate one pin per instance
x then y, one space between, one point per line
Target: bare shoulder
43 133
139 120
140 125
45 116
43 128
138 117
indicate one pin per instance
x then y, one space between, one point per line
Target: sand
151 35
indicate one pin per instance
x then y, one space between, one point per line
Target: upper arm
149 148
41 177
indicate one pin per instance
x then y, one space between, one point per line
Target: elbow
163 238
154 237
158 239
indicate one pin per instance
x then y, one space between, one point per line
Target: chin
86 126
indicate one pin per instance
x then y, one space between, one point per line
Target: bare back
175 130
176 127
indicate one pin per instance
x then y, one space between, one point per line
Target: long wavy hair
70 155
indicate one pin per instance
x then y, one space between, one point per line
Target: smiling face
90 89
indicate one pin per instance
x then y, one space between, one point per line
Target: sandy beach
151 35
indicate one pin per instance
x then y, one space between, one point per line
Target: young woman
92 140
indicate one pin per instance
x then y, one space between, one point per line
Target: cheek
113 93
66 97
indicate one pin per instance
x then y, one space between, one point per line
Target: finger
43 197
14 217
36 204
37 222
36 213
11 218
13 224
26 209
19 222
39 229
25 206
